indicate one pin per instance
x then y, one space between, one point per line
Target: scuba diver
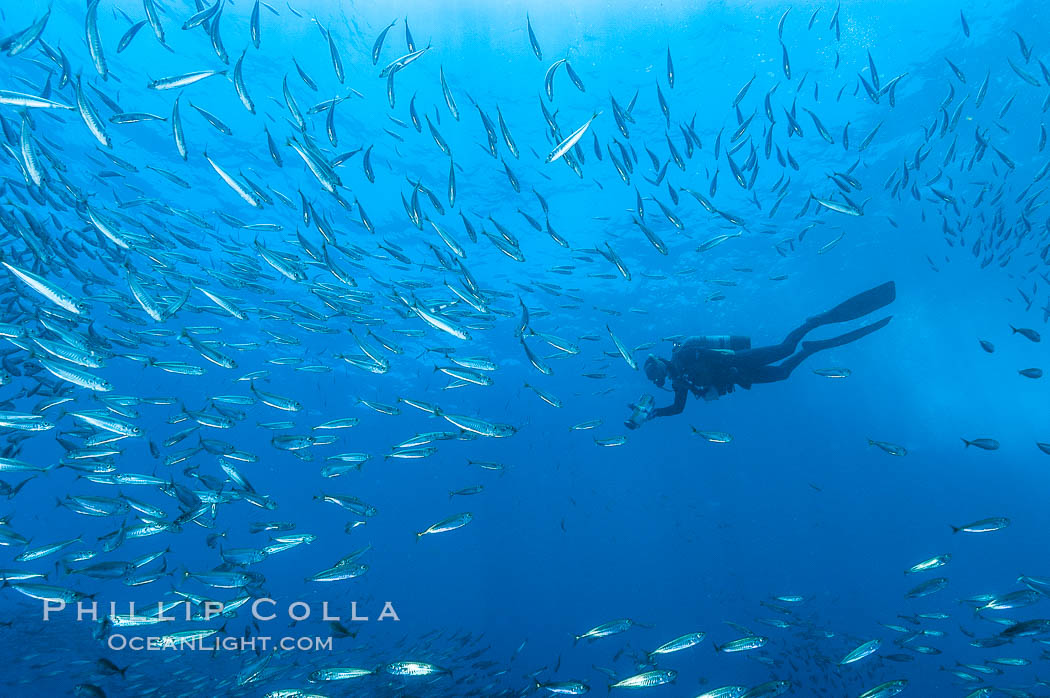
711 366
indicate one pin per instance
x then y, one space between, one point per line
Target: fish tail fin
955 529
968 443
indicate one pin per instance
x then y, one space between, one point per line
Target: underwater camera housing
641 409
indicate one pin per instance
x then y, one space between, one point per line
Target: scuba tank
732 342
723 342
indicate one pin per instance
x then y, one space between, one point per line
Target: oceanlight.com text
262 643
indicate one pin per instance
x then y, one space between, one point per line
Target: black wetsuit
710 373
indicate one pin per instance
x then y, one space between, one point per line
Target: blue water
674 532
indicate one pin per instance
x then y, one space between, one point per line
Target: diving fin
821 344
860 305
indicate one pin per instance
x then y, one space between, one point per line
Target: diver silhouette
711 366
